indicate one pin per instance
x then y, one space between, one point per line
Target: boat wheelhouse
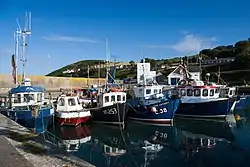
110 107
69 111
200 100
27 103
149 104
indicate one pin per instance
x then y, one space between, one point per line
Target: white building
175 76
143 70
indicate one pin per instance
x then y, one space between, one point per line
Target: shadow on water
186 143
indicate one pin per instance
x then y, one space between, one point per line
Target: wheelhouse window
106 98
71 102
148 91
17 98
61 102
183 92
123 98
197 92
78 101
216 90
231 92
140 92
204 92
112 98
155 91
189 92
28 97
160 91
39 97
119 98
212 92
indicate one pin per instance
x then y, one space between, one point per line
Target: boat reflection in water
68 137
209 144
187 143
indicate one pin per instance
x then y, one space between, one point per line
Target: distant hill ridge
240 51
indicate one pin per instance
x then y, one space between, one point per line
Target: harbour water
186 143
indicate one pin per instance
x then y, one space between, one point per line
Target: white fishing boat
69 111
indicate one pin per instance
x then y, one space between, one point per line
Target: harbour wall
48 82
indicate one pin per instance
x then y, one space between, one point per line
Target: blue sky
64 32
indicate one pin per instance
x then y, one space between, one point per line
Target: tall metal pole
25 32
16 49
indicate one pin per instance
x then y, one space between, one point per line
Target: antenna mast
24 33
107 57
17 33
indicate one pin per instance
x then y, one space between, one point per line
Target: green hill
236 72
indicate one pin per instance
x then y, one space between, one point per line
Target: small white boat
69 111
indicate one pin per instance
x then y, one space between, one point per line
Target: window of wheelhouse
17 98
211 92
39 97
216 90
148 91
106 98
155 91
183 92
78 101
119 98
189 92
28 97
231 92
197 92
71 102
205 92
112 98
123 98
160 91
61 102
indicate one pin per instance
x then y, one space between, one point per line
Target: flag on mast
13 63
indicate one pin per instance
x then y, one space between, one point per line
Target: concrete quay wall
6 81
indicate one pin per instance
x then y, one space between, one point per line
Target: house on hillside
175 76
217 61
161 79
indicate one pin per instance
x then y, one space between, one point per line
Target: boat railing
27 105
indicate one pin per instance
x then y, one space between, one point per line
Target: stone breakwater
33 149
6 81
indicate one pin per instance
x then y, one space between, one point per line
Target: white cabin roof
68 103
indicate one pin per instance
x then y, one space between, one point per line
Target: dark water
186 143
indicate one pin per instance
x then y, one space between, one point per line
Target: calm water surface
186 143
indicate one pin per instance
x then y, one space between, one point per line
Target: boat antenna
199 56
107 61
24 34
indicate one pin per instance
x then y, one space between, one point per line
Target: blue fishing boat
149 104
27 104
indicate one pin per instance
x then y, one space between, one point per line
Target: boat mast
17 34
143 68
24 33
107 61
199 56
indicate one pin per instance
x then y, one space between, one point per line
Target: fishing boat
110 105
149 104
69 111
27 104
203 101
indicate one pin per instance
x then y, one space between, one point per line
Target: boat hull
164 113
72 118
28 119
215 109
114 114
